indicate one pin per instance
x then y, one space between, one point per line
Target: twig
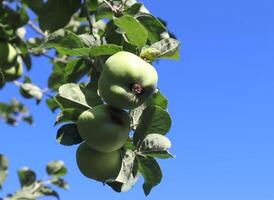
36 28
88 17
123 4
109 5
48 56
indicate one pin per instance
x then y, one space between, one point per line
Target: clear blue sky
221 98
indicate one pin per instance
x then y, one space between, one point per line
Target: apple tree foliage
77 37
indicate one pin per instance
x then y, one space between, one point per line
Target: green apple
14 72
127 81
104 128
8 55
98 165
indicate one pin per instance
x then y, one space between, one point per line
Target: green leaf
13 19
154 119
3 169
24 195
135 115
89 40
153 26
151 172
156 145
112 34
134 9
166 48
106 49
56 14
52 104
46 191
159 99
135 32
2 80
56 168
68 135
71 96
59 182
62 38
32 90
69 114
127 176
35 5
103 11
155 142
26 176
76 69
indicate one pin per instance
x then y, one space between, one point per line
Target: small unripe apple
98 165
8 55
104 128
127 81
14 72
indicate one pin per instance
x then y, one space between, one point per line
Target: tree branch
36 28
88 16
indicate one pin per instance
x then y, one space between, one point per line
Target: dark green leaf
134 9
2 80
68 135
151 172
3 169
112 34
28 119
35 5
56 14
52 104
135 32
26 176
56 168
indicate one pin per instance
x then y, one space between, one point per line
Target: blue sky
221 99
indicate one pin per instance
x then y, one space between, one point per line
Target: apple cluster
11 64
126 82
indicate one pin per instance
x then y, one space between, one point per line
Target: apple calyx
136 88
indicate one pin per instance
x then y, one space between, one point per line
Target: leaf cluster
77 37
